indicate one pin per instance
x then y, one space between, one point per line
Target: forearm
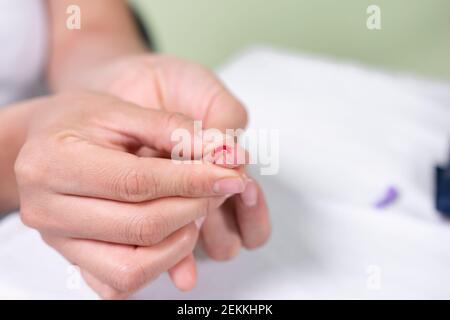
107 32
14 121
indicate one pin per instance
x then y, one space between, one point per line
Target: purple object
389 197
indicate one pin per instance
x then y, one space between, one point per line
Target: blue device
443 190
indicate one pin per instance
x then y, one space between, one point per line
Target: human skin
161 82
121 218
110 57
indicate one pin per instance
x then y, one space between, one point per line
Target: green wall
415 34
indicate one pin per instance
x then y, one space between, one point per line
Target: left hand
162 82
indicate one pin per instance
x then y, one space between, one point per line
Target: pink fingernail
229 186
250 195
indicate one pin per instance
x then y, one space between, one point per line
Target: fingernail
199 222
229 186
250 195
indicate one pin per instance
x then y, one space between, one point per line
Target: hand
121 218
165 83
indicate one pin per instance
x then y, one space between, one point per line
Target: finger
110 174
217 106
228 154
220 234
126 268
148 127
142 224
252 216
184 273
166 132
226 112
223 153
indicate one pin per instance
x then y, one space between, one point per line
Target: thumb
225 112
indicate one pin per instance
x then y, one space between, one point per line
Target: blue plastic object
443 190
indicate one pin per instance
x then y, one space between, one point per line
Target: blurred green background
415 34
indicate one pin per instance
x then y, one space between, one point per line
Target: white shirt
23 42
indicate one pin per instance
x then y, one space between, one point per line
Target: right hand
121 218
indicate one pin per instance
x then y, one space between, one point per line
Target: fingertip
223 149
227 112
253 216
230 156
184 274
250 195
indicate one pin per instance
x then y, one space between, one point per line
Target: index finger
100 172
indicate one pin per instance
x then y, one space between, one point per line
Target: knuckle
176 120
133 186
129 277
28 168
194 182
146 230
30 217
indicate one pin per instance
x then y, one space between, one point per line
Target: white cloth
347 133
23 42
